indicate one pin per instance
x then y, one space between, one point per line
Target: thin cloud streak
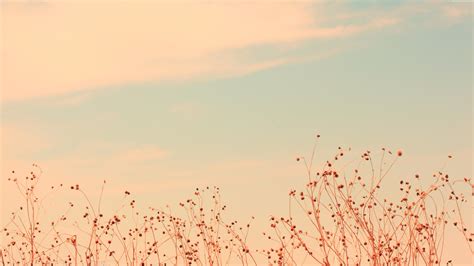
81 47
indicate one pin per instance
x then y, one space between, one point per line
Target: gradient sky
161 98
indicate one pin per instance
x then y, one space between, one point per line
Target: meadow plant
348 219
200 235
341 217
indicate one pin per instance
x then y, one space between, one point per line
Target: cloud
457 11
59 48
73 99
143 154
23 145
186 109
21 141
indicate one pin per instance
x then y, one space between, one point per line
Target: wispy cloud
143 154
19 140
187 109
61 48
456 11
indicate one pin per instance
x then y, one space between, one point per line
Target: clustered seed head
339 217
351 225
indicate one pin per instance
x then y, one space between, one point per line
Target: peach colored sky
66 47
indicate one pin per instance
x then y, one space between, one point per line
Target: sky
159 98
